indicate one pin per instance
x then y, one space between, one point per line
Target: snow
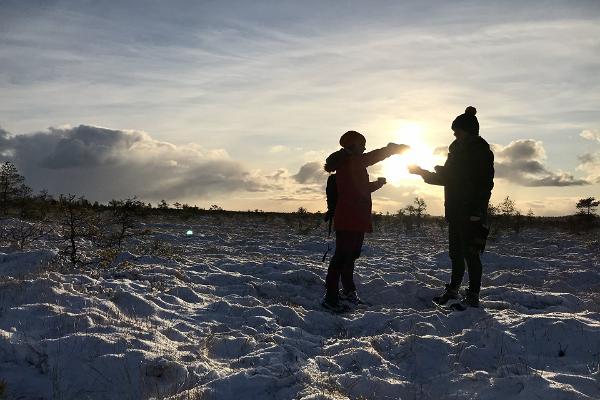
232 312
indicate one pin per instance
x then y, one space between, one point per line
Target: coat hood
335 160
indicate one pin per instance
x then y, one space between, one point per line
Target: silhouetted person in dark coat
468 179
352 216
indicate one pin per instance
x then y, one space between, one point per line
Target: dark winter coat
353 208
467 177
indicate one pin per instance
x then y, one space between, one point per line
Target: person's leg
332 278
338 264
457 255
347 278
355 242
471 297
471 254
458 263
471 251
475 270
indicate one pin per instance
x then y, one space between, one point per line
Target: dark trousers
348 245
461 250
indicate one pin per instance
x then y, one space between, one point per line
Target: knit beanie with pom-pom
467 122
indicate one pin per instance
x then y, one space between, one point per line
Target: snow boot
350 296
450 294
333 305
470 299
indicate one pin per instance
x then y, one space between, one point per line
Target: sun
395 168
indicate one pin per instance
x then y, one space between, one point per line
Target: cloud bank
521 162
311 172
106 163
103 163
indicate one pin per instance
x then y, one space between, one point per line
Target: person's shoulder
453 146
335 160
480 143
483 141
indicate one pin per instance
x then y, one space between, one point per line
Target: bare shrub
123 221
20 234
76 223
160 248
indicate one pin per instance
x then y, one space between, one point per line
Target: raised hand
398 148
415 169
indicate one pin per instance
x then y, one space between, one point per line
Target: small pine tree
420 207
12 185
507 207
412 213
163 205
587 206
530 216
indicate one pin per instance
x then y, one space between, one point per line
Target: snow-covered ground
234 313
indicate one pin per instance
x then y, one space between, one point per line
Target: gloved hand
416 170
382 181
398 148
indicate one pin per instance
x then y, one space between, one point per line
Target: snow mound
21 263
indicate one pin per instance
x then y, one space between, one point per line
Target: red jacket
353 208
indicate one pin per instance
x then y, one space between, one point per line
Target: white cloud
589 163
104 163
311 172
278 149
590 135
522 162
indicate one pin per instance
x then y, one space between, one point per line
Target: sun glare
395 168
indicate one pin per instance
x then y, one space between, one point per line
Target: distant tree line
77 225
502 217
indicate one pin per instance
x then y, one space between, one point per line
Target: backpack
332 196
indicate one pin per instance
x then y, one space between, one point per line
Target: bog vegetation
94 234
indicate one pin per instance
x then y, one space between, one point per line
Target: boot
350 296
470 299
333 305
450 294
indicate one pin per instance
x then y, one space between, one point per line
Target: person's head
353 142
466 124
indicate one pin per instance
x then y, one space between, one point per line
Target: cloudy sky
239 103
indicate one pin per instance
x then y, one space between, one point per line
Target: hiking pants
348 245
461 249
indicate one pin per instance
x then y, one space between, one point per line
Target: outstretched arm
375 156
433 178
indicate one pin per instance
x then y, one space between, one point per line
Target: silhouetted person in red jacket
468 179
352 216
